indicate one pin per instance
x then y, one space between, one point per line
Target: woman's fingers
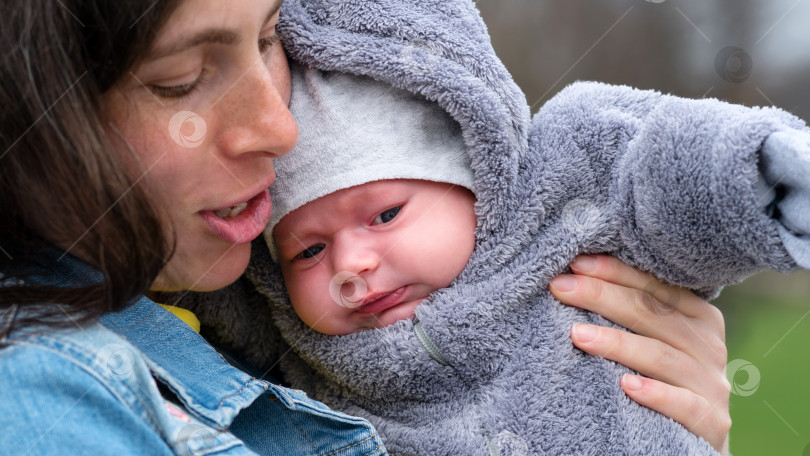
624 306
679 341
701 336
667 298
650 357
709 420
642 313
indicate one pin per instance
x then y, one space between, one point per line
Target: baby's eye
386 216
310 252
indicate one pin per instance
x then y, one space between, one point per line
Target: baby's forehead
360 195
335 207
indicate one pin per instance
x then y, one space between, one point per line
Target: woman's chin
203 273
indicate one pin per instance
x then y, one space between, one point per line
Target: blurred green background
768 325
752 52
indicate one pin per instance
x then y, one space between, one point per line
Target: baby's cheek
453 258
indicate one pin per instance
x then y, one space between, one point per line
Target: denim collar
185 362
180 358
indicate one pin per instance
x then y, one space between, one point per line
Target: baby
379 223
373 212
365 256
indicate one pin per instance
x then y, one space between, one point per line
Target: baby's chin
402 311
356 323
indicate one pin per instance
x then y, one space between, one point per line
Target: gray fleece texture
673 186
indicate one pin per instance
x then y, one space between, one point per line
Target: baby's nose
355 255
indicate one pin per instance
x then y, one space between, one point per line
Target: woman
132 136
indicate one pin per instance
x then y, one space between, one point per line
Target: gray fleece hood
673 186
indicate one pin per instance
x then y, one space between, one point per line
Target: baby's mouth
377 302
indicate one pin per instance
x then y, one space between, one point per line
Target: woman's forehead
210 21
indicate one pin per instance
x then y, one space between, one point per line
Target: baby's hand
679 342
785 163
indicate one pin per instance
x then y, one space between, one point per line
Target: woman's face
204 113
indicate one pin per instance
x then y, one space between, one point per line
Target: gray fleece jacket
697 192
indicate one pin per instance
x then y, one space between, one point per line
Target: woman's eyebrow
216 36
273 11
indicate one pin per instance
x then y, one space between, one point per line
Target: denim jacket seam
134 405
370 437
289 415
192 400
245 385
304 433
219 443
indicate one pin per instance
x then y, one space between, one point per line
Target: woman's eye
310 252
267 43
179 90
387 216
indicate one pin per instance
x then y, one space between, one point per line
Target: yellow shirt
187 316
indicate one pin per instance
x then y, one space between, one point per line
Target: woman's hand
679 342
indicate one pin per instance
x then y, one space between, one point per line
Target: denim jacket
141 382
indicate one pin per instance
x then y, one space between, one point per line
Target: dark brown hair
61 183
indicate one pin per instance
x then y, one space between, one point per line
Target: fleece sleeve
702 193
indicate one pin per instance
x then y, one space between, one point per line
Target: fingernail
564 282
585 333
584 263
632 382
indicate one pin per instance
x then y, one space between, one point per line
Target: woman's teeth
232 211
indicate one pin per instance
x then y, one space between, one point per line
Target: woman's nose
255 116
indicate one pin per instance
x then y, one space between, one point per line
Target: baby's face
366 256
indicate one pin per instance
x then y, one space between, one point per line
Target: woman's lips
381 302
244 227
